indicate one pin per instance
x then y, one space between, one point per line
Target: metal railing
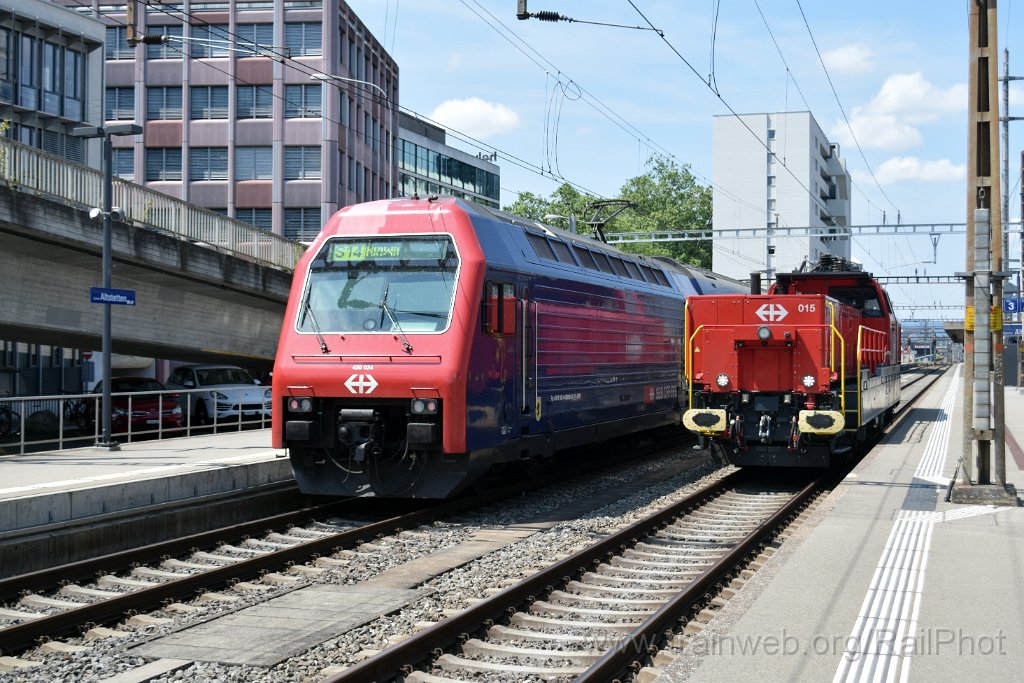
36 172
31 424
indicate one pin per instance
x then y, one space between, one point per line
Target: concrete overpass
194 302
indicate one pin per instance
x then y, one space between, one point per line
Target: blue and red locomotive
796 376
427 341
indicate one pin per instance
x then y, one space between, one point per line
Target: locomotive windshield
380 284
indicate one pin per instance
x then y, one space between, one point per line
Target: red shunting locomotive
796 376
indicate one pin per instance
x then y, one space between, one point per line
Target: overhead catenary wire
817 201
499 27
791 77
306 69
853 134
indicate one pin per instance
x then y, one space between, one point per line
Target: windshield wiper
394 321
308 310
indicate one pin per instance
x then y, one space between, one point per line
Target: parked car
227 391
144 412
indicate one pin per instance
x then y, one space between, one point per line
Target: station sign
1013 304
107 295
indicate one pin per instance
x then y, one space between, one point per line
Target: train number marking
771 313
361 384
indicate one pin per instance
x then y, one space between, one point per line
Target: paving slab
55 487
268 633
887 581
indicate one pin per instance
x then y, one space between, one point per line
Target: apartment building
772 171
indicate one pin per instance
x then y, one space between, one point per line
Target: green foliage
665 198
566 200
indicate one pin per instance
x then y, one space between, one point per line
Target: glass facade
40 74
43 83
423 171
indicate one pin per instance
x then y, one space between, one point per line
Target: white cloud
455 61
891 118
854 58
900 169
476 117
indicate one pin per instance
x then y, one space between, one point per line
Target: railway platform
51 488
885 581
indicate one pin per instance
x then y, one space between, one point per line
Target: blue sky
899 71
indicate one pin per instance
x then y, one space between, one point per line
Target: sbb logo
361 384
771 313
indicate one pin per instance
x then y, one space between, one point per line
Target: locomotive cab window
380 284
864 299
500 308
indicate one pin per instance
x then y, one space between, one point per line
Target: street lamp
107 211
330 77
557 217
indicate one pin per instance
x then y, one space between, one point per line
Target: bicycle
76 413
8 420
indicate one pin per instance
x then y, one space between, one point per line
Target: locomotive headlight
300 404
424 406
808 381
764 333
722 380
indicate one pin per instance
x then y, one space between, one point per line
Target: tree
666 197
566 200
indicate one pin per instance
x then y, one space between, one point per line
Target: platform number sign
1013 304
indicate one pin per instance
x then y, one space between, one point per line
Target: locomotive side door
529 401
502 297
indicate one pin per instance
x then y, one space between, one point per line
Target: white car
225 391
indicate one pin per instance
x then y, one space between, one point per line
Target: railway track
257 555
45 609
603 613
595 613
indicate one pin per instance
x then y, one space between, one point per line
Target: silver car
226 392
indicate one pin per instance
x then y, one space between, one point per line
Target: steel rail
427 643
639 643
45 579
22 636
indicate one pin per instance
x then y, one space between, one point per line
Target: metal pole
975 39
1004 152
108 228
1000 249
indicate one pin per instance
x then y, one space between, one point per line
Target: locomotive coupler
358 431
764 429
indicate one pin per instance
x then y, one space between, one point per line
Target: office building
274 113
428 166
771 171
51 77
